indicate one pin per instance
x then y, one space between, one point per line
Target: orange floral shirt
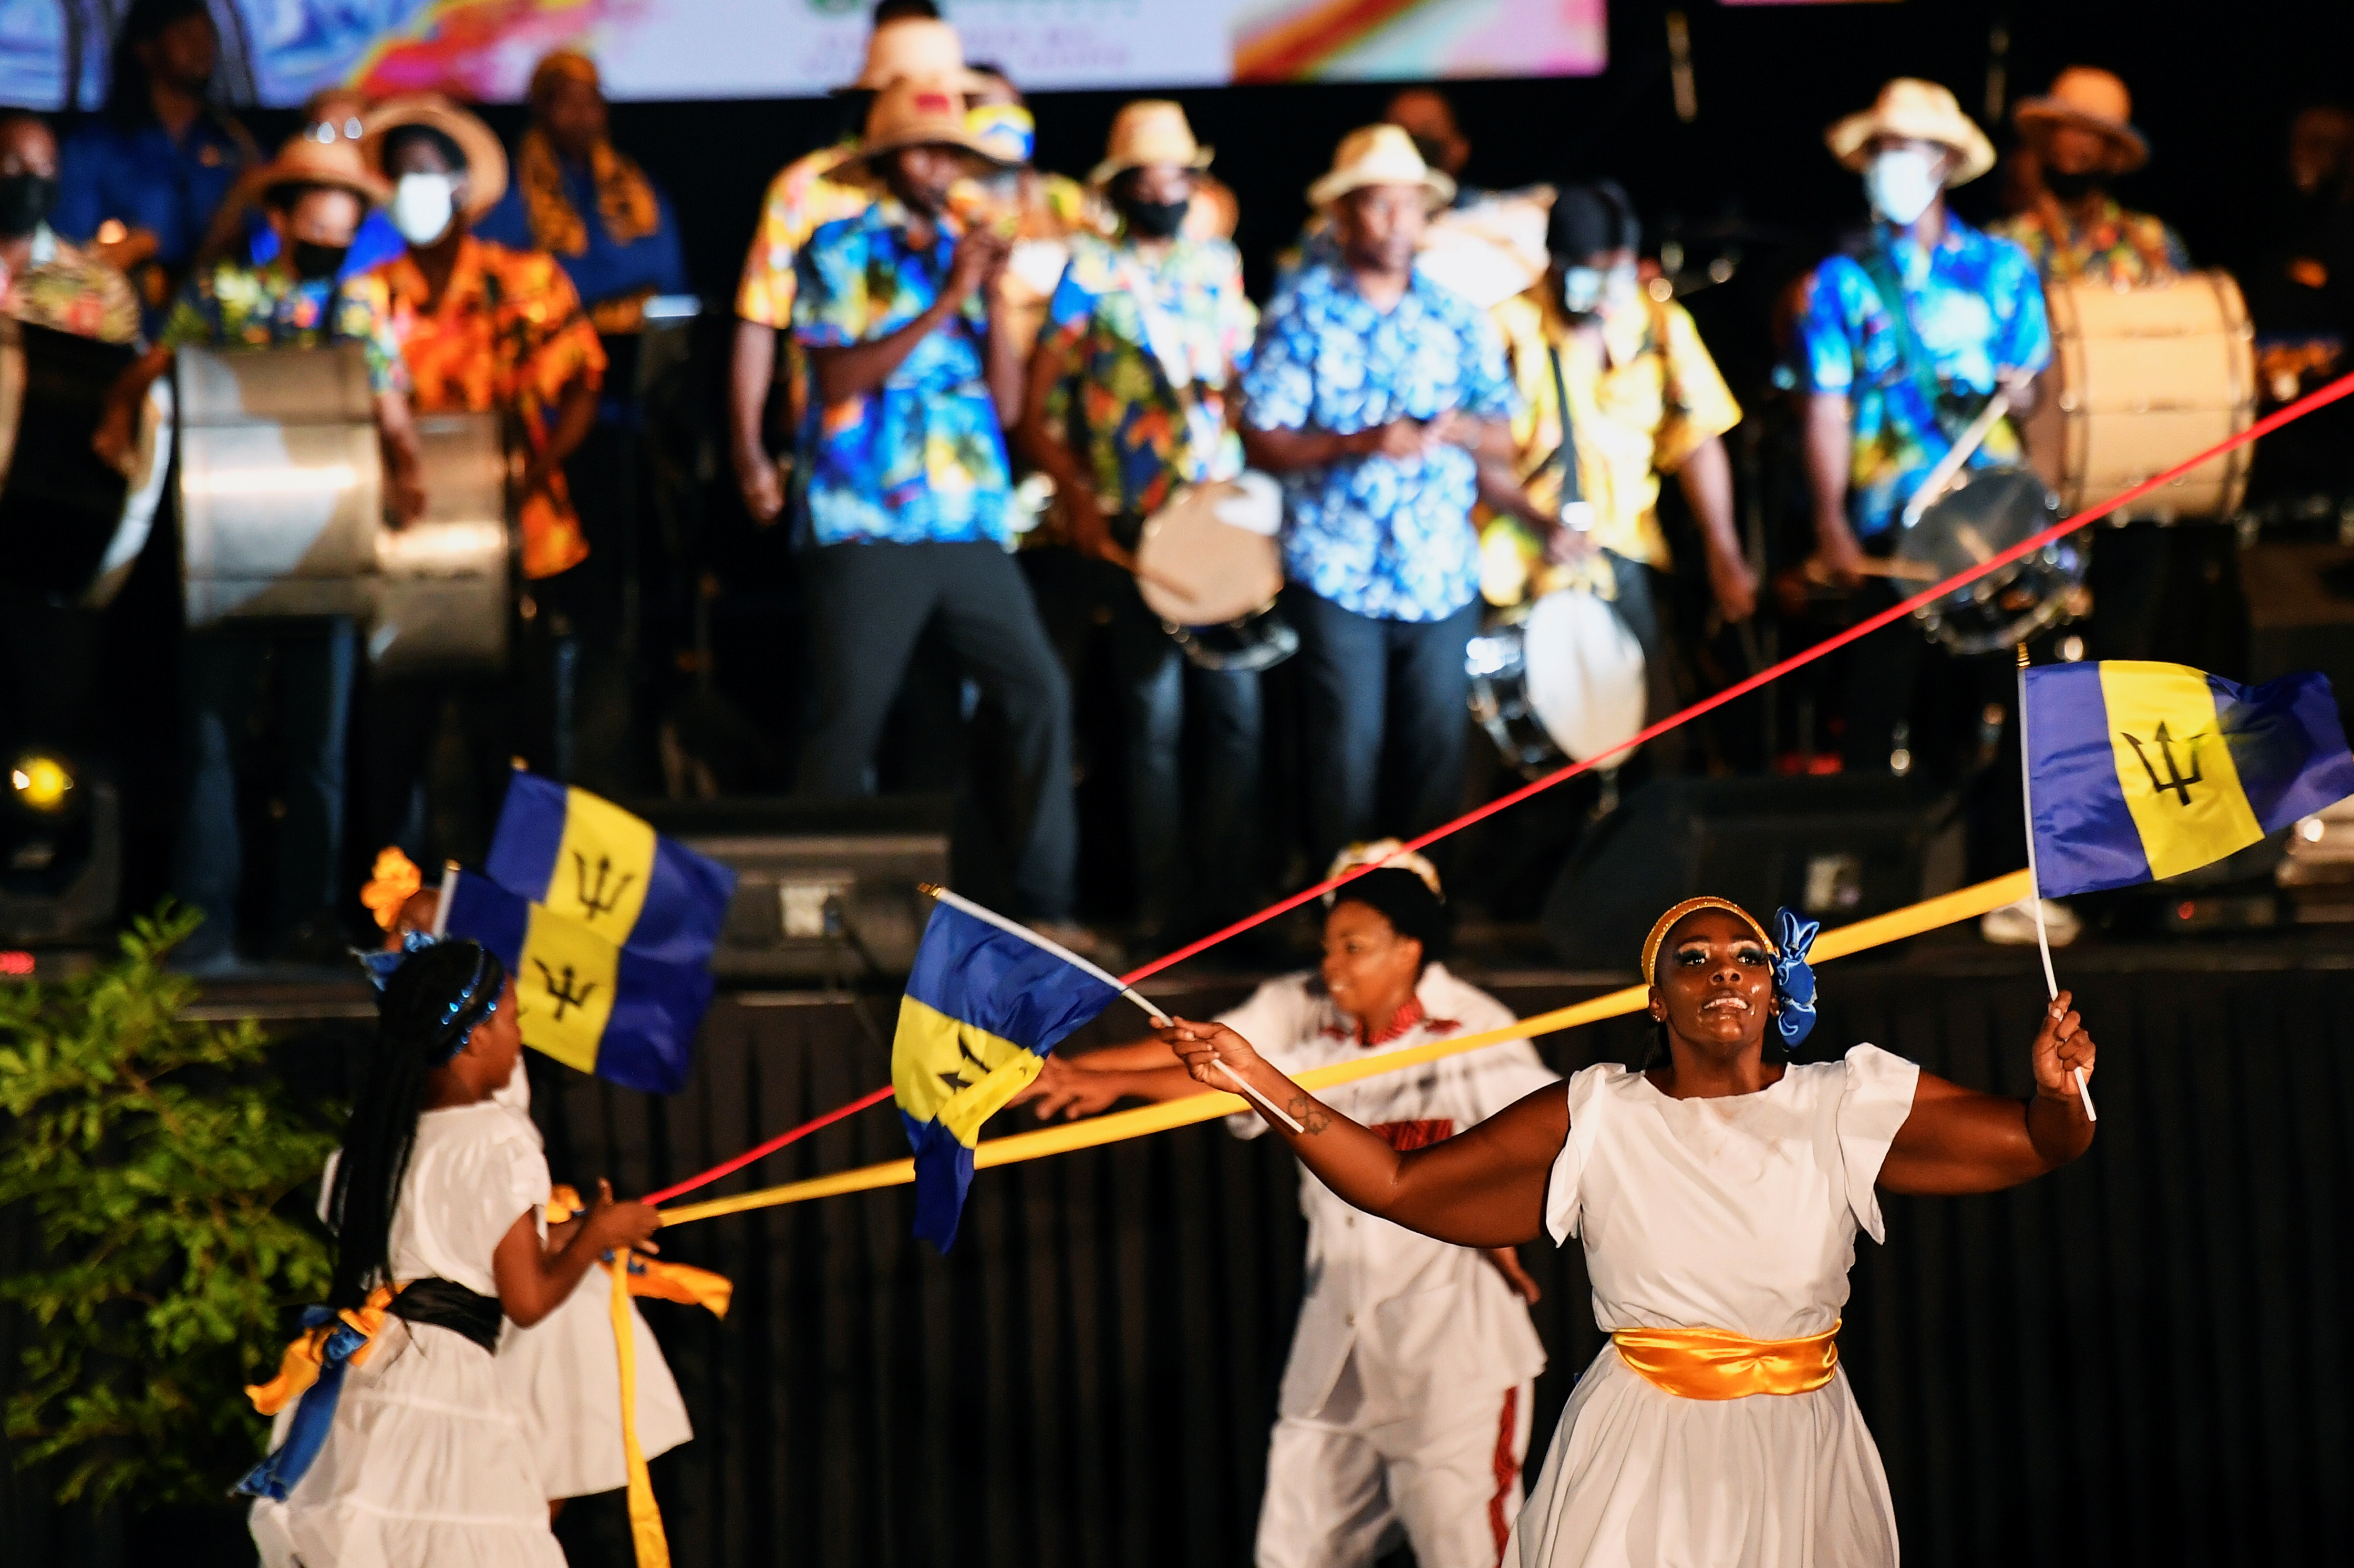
508 336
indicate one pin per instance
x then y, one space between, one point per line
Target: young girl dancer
408 1454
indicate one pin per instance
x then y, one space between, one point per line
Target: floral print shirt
237 305
922 458
65 288
507 335
2127 248
800 201
1150 346
1976 306
1380 537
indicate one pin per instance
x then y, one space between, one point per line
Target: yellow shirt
1643 398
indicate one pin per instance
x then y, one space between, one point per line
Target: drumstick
1942 475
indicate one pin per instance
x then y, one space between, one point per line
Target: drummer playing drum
1129 398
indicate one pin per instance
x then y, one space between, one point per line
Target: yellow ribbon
298 1369
1710 1363
645 1514
1966 904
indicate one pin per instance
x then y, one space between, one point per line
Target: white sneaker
2013 925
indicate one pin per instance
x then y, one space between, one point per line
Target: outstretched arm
1485 1187
1960 1141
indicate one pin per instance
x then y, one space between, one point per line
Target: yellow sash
1709 1363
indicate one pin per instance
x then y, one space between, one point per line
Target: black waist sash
452 1307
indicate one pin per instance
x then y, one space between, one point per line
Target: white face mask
1585 290
1901 182
423 206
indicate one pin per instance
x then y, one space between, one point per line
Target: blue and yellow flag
580 855
984 1006
625 1015
2138 772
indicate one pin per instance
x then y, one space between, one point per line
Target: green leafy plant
159 1157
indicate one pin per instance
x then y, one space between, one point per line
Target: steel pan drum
443 588
70 526
2148 377
1985 512
282 483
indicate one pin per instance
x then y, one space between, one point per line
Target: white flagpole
1015 929
441 900
2035 888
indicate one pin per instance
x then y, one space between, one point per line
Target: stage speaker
824 890
1837 848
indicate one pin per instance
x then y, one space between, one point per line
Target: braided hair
428 1007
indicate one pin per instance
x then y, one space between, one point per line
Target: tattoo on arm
1308 1115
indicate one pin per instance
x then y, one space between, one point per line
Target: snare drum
2145 377
1565 680
1208 565
1983 513
70 526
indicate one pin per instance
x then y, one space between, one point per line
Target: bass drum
70 526
1984 512
2145 377
1208 565
1563 680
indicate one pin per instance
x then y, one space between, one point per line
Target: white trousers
1340 1494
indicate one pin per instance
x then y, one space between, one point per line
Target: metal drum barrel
282 483
442 593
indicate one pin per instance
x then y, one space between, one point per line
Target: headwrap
625 200
1794 978
475 1000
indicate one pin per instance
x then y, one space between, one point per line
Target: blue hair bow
380 964
380 967
1794 978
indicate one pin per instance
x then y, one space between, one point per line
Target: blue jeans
1178 893
222 678
1375 692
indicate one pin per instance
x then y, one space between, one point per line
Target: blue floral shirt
921 459
1977 307
1377 536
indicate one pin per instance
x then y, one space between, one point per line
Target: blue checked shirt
1377 536
1977 308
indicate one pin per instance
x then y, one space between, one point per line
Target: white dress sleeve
1873 1103
1274 1021
1564 1207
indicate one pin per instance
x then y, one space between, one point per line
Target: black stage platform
2141 1360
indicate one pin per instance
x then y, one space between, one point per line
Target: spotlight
41 783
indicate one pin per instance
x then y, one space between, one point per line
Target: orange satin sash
1710 1363
298 1369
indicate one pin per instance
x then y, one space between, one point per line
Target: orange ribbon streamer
1710 1363
299 1368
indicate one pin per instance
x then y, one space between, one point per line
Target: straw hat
486 161
914 114
1148 132
305 160
1914 110
915 49
1378 155
2091 100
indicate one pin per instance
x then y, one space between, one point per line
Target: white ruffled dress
564 1377
1739 1215
427 1464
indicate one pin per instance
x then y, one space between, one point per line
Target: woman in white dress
407 1455
1718 1192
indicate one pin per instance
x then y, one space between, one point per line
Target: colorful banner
278 52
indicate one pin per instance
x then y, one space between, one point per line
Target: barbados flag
626 1015
987 1000
580 855
2138 772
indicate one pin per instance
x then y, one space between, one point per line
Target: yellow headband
1667 923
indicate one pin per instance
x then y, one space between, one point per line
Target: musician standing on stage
909 43
1901 342
2082 135
483 328
316 193
141 180
1645 399
1377 394
913 376
1130 398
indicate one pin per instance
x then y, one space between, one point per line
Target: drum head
1986 511
1210 557
1584 672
